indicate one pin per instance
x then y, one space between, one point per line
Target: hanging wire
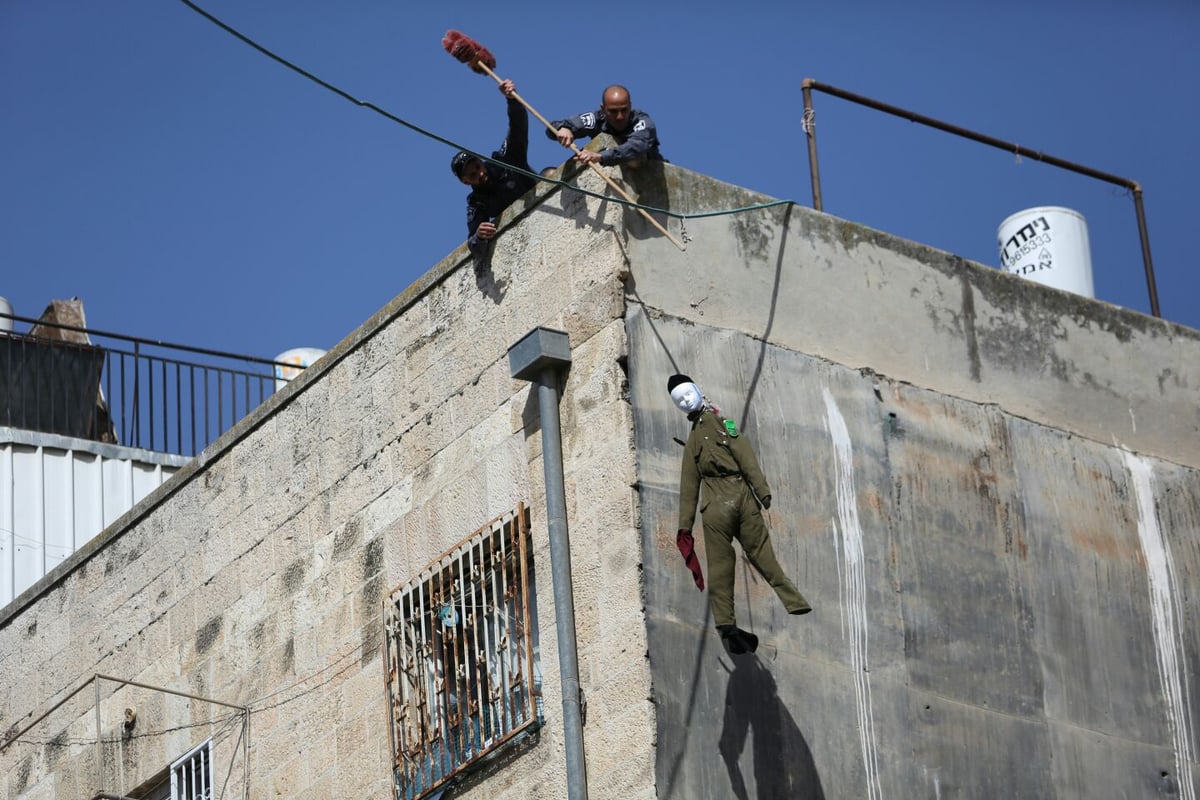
65 741
226 723
443 140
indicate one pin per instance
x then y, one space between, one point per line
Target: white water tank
6 324
1048 245
300 358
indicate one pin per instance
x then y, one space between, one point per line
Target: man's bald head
615 93
616 107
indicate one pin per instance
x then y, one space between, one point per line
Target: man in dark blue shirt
633 130
493 187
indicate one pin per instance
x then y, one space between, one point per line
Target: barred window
461 659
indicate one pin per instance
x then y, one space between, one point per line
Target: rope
443 140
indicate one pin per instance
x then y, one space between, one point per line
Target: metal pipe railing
126 391
808 85
15 734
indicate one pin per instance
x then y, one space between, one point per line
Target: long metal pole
560 568
1146 260
99 742
810 130
808 84
246 755
983 138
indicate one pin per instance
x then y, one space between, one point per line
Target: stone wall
256 576
987 489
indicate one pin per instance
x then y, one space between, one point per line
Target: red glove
687 547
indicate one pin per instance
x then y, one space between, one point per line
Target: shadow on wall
649 183
783 764
766 334
485 279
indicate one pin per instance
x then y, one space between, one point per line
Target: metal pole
387 695
246 754
1010 147
810 129
164 690
1145 237
560 568
808 84
540 357
99 743
13 736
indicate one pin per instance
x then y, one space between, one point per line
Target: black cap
677 379
459 162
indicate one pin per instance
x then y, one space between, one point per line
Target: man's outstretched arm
515 149
569 129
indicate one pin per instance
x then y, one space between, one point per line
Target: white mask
687 397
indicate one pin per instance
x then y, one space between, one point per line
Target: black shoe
737 640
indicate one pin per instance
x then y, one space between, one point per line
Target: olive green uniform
727 468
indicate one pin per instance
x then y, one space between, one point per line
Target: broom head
468 51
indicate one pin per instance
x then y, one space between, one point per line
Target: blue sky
189 189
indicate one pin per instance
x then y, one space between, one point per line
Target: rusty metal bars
808 85
459 661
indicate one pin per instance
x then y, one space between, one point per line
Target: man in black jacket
493 187
633 130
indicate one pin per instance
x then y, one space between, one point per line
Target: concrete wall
833 289
986 489
255 576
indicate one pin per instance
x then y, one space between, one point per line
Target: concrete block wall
988 618
858 297
988 490
256 576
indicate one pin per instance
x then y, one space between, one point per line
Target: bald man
633 130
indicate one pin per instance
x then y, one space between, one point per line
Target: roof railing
808 85
126 390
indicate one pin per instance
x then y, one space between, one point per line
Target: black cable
418 129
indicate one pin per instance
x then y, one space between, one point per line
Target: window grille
461 667
191 776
